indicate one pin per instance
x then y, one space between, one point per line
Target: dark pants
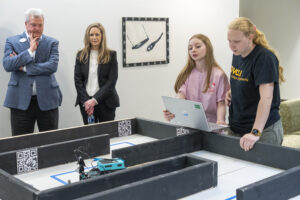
102 113
22 121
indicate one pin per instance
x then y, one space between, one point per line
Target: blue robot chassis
104 166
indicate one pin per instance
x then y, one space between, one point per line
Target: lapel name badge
23 40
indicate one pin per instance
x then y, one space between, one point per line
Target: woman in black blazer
96 74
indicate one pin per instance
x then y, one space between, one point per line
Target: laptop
189 114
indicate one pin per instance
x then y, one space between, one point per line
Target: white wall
279 20
139 88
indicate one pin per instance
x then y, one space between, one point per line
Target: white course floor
62 174
232 173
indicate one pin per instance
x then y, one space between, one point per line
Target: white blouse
92 85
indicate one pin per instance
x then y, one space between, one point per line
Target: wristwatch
256 132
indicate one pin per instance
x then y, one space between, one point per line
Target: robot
104 166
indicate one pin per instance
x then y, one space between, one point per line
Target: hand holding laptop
168 115
188 113
221 123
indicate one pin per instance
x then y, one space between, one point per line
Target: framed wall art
145 41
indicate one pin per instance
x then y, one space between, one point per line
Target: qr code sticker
27 160
124 128
182 131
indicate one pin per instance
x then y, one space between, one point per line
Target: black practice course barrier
161 169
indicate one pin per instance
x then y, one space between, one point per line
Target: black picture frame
145 41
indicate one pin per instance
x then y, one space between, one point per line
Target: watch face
255 132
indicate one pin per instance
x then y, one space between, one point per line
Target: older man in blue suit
33 94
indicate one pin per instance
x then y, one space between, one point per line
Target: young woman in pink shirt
202 80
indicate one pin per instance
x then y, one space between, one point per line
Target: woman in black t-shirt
254 97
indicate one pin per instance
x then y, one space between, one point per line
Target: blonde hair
103 52
247 27
190 65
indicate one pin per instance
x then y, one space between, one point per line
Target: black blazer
107 79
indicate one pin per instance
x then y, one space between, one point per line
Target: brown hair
247 27
190 65
103 52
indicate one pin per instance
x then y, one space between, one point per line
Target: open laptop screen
188 113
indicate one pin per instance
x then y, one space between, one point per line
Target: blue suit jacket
41 69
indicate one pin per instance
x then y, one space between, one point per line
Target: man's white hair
34 12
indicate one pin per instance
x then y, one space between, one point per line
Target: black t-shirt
259 67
